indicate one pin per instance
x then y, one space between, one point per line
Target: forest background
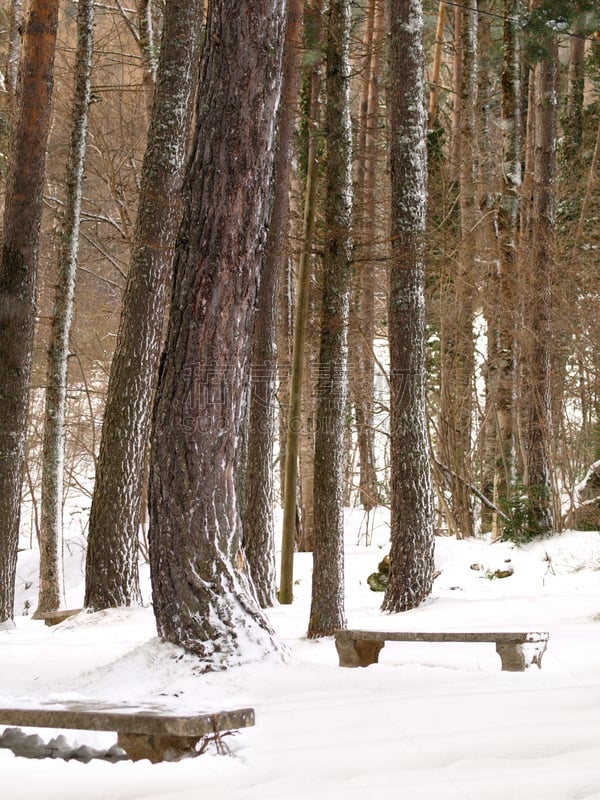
510 253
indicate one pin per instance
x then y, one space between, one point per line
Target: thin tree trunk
508 218
412 516
295 416
362 319
51 539
112 556
327 605
14 46
539 298
457 329
203 600
18 268
437 64
258 522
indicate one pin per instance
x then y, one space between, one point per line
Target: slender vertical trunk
437 64
203 599
539 317
508 219
411 555
51 541
18 268
14 46
258 512
457 328
327 606
295 416
362 320
147 47
112 556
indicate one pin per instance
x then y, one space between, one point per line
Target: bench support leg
157 748
358 652
517 657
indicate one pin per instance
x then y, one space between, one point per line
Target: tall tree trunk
508 219
362 318
457 329
327 606
295 416
539 297
411 555
18 268
258 523
203 599
51 538
112 555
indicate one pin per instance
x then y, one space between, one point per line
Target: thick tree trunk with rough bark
112 556
327 606
203 599
51 534
18 267
411 555
259 544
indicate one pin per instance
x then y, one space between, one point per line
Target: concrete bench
517 651
151 732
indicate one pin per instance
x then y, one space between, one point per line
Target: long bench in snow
150 731
517 650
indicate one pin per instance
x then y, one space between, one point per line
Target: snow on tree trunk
18 268
508 217
203 599
411 555
51 533
112 556
327 606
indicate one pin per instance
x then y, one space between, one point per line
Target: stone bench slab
517 650
143 731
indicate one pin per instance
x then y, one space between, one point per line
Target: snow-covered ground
429 722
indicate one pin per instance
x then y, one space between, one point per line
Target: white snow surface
429 722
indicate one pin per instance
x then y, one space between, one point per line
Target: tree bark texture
18 267
259 542
112 555
457 327
327 606
539 305
503 368
362 317
298 433
51 534
411 555
203 599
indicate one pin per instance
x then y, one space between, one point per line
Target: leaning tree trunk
327 606
411 555
51 533
203 599
18 268
112 555
259 542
